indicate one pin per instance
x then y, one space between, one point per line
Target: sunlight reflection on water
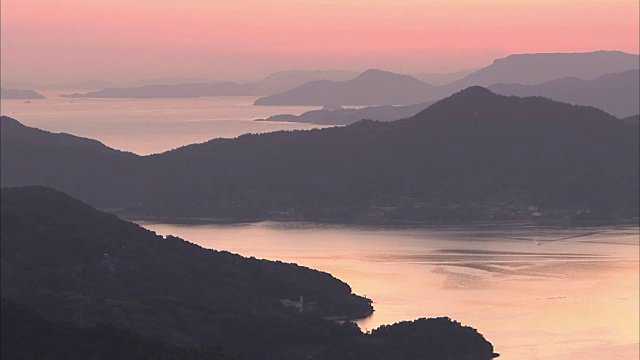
146 126
534 292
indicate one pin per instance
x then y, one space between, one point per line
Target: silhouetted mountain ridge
16 94
36 157
533 69
189 88
616 94
397 89
172 91
69 262
347 116
473 156
372 87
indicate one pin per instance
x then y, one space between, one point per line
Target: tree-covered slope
472 156
470 148
70 262
27 335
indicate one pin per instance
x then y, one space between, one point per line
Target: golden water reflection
534 292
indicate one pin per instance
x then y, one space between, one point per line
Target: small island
16 94
337 115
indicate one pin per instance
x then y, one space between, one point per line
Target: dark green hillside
26 335
472 156
69 262
83 167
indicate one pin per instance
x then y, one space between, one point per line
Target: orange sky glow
55 40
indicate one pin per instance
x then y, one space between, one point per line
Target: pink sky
60 40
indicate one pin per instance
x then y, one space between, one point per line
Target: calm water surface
146 126
534 292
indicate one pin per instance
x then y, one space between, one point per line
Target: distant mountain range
19 94
376 87
287 80
172 91
372 87
397 89
442 78
533 69
472 156
173 88
618 94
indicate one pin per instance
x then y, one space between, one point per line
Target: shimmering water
534 292
146 126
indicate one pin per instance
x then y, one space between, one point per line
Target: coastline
562 223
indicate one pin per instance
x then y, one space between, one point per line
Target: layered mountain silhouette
63 161
172 91
474 155
19 94
533 69
69 262
287 80
376 87
385 88
186 88
442 78
342 116
616 94
372 87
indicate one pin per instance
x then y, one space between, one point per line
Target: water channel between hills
534 292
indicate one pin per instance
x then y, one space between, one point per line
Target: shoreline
561 223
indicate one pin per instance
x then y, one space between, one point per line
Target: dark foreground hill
27 335
69 262
616 93
632 120
83 167
473 156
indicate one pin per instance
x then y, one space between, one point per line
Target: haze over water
534 292
146 126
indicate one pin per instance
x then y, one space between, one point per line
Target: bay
146 126
534 292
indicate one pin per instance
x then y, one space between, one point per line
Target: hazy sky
60 40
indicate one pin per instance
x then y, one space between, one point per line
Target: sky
71 40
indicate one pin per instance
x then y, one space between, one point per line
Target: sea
148 126
535 292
